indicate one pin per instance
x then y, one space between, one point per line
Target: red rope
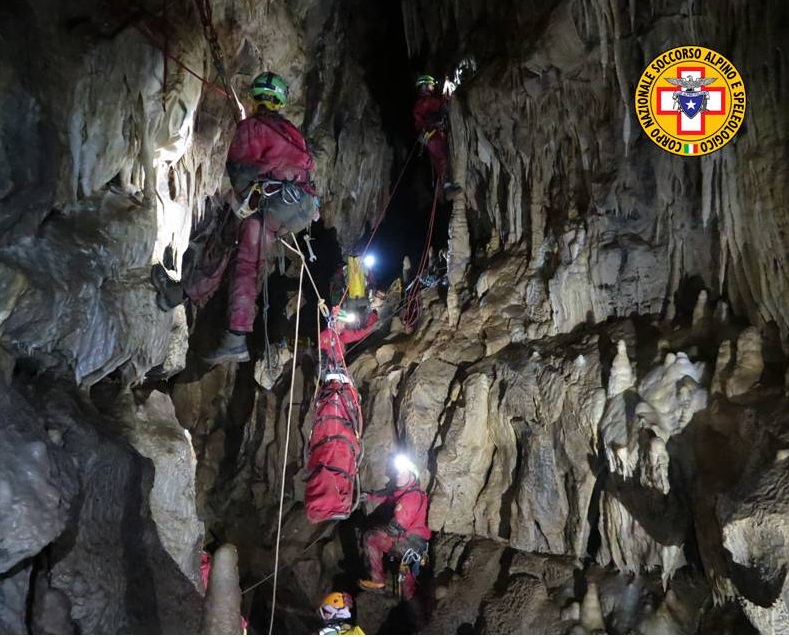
207 18
164 58
155 43
383 213
413 307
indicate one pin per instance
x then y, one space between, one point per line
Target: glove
425 137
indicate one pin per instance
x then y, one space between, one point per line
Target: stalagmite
654 466
701 318
222 610
662 621
591 612
721 314
721 365
572 613
622 376
459 253
749 363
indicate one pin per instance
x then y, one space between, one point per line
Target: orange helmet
336 605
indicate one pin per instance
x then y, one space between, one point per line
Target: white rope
321 303
287 442
270 575
320 309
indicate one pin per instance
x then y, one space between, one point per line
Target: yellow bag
356 284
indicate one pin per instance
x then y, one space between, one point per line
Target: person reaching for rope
431 115
270 165
335 608
406 528
335 337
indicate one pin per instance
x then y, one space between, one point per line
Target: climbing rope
283 567
164 57
285 453
206 17
265 319
154 42
322 307
413 298
383 212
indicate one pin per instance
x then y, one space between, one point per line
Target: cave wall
570 218
107 164
553 157
546 420
81 545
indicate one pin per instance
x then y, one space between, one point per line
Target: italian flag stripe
689 149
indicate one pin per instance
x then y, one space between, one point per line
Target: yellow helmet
336 605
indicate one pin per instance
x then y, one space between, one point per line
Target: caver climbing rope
284 566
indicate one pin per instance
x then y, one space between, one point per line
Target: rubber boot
169 293
233 348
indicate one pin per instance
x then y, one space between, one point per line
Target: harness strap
328 439
326 467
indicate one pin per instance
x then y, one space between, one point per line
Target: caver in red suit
406 529
271 154
265 144
333 341
430 112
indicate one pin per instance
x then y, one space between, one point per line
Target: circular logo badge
690 101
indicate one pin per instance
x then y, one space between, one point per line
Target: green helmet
345 317
270 86
423 80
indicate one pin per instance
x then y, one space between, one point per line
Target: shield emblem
691 103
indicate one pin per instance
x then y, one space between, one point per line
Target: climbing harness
264 189
251 203
412 562
425 137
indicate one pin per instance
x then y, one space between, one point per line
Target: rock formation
596 397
